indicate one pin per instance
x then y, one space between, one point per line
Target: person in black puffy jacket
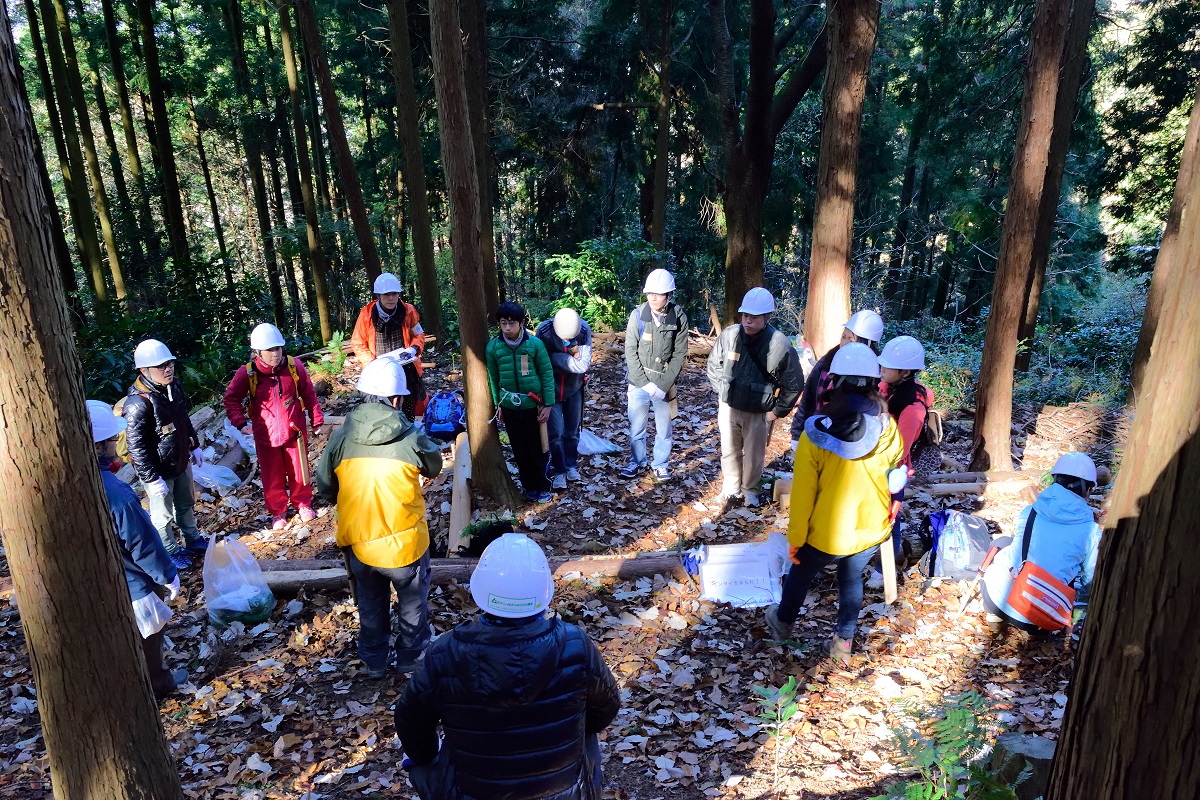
521 697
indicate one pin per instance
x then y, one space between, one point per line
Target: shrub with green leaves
602 279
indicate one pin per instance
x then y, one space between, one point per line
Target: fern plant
779 705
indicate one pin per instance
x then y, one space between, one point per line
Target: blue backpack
446 415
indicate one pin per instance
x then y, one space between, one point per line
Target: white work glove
172 589
157 487
898 479
654 392
198 457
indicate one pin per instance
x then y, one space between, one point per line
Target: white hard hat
566 323
903 352
105 424
659 282
383 377
866 324
387 282
151 353
757 301
1078 465
855 360
512 578
266 336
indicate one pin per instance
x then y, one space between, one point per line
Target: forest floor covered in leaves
284 710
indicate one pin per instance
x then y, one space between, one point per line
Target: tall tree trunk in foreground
316 255
1167 259
306 18
473 18
662 136
99 720
852 28
168 173
1056 52
488 471
414 169
1130 727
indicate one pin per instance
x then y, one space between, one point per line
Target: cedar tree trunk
473 18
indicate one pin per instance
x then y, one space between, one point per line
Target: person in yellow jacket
842 491
371 468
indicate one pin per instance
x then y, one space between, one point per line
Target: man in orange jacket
389 324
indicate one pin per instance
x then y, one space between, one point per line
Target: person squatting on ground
1063 540
656 341
387 324
568 340
372 469
522 382
908 402
149 571
756 374
845 477
521 697
865 327
280 393
163 446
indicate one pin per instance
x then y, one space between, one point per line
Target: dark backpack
446 415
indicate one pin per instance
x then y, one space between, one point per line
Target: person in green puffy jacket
521 378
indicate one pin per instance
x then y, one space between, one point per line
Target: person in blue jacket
1063 541
149 571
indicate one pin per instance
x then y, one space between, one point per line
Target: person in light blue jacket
1064 540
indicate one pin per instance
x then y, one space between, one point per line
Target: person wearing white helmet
655 347
521 697
149 572
865 327
388 324
756 374
282 400
568 340
1057 532
163 446
846 474
372 470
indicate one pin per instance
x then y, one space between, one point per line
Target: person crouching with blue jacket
521 697
149 572
1063 540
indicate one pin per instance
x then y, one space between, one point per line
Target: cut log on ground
289 577
460 495
1103 476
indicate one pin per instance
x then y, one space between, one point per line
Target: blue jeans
175 511
563 428
639 415
850 586
373 596
437 780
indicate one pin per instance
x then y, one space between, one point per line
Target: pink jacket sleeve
308 394
235 395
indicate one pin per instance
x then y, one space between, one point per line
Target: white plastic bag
234 587
211 476
151 614
592 445
747 575
247 442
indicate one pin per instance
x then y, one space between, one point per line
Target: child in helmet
844 482
865 327
163 446
387 324
756 374
568 340
655 347
1063 540
521 696
280 393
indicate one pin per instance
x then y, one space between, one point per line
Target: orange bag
1037 595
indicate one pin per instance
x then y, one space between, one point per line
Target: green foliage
944 750
779 705
330 366
601 279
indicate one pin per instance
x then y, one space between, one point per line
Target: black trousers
525 436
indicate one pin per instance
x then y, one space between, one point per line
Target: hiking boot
632 470
661 474
377 673
838 649
279 523
196 547
539 497
558 482
180 559
750 500
573 475
307 514
779 628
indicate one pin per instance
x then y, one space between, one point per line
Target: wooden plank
460 495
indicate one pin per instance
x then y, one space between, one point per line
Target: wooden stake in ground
99 720
1130 728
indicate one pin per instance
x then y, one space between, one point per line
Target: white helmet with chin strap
1076 465
513 578
383 377
757 301
659 282
866 324
151 353
903 352
387 283
265 336
105 424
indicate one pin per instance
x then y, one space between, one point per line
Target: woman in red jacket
280 393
